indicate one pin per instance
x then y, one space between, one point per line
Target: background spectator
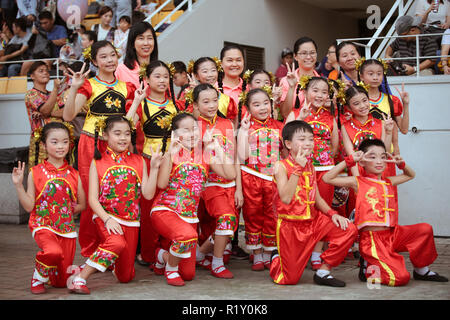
104 30
16 49
287 56
329 64
180 78
119 8
445 51
120 34
425 10
28 9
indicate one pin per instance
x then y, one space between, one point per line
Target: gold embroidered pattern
371 197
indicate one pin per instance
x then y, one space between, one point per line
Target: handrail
417 56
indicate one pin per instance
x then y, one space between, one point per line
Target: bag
41 47
10 48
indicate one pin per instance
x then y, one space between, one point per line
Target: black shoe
274 253
328 280
435 277
141 261
362 270
356 254
238 253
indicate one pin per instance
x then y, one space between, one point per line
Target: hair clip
189 96
243 97
385 65
87 53
190 66
363 85
171 67
143 70
303 82
268 90
37 134
359 62
100 124
247 75
218 64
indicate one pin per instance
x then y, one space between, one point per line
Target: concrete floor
18 249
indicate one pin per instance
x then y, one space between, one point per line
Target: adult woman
346 54
142 47
305 53
103 29
433 14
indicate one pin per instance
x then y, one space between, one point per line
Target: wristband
106 221
401 165
331 212
350 161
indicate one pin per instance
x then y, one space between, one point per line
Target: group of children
218 149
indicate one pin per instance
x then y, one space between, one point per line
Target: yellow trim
45 264
384 265
294 217
280 277
192 163
120 166
321 123
47 182
190 240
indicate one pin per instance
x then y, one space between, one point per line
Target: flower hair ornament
363 85
247 75
341 92
385 65
87 53
218 64
359 62
243 97
71 131
37 134
143 70
189 96
268 90
171 68
100 124
190 66
303 82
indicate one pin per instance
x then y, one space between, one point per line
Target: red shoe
267 265
175 281
226 256
37 289
78 287
222 272
258 266
316 264
159 268
205 263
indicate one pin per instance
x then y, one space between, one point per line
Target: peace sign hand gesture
245 122
79 77
291 76
276 93
305 111
403 94
192 81
140 93
388 124
300 158
17 174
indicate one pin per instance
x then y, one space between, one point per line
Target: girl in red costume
182 176
376 217
54 194
259 147
117 179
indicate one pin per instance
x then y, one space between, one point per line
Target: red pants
219 203
179 238
207 224
87 235
326 190
296 241
380 250
54 261
259 214
118 250
149 237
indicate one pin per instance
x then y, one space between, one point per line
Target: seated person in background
180 78
445 51
120 34
406 47
16 49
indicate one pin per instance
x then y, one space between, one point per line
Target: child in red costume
54 194
376 217
259 148
303 217
219 194
182 177
117 179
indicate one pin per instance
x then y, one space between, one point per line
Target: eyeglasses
331 52
304 54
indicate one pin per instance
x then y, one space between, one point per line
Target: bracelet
401 165
106 221
350 161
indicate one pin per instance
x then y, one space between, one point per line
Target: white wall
271 24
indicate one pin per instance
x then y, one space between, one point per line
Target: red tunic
56 196
120 177
186 183
301 206
265 145
375 203
357 132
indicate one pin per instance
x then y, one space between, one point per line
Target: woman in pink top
305 53
230 81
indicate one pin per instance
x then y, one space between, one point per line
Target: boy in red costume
376 217
303 217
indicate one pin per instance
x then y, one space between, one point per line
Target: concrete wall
270 24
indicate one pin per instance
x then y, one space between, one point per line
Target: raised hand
140 93
17 174
305 111
192 81
79 77
291 76
388 124
276 93
157 157
245 122
300 158
403 94
358 156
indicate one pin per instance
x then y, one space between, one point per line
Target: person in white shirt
121 35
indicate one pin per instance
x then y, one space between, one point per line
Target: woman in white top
104 30
441 18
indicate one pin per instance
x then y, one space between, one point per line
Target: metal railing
417 57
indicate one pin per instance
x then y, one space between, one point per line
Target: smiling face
57 144
374 159
233 63
207 103
159 80
306 56
259 106
144 44
347 57
301 140
207 72
188 132
317 93
106 59
118 136
360 104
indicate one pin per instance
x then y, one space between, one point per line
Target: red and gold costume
103 99
150 115
300 226
120 178
264 138
376 205
219 193
174 212
51 221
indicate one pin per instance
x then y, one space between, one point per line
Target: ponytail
97 154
